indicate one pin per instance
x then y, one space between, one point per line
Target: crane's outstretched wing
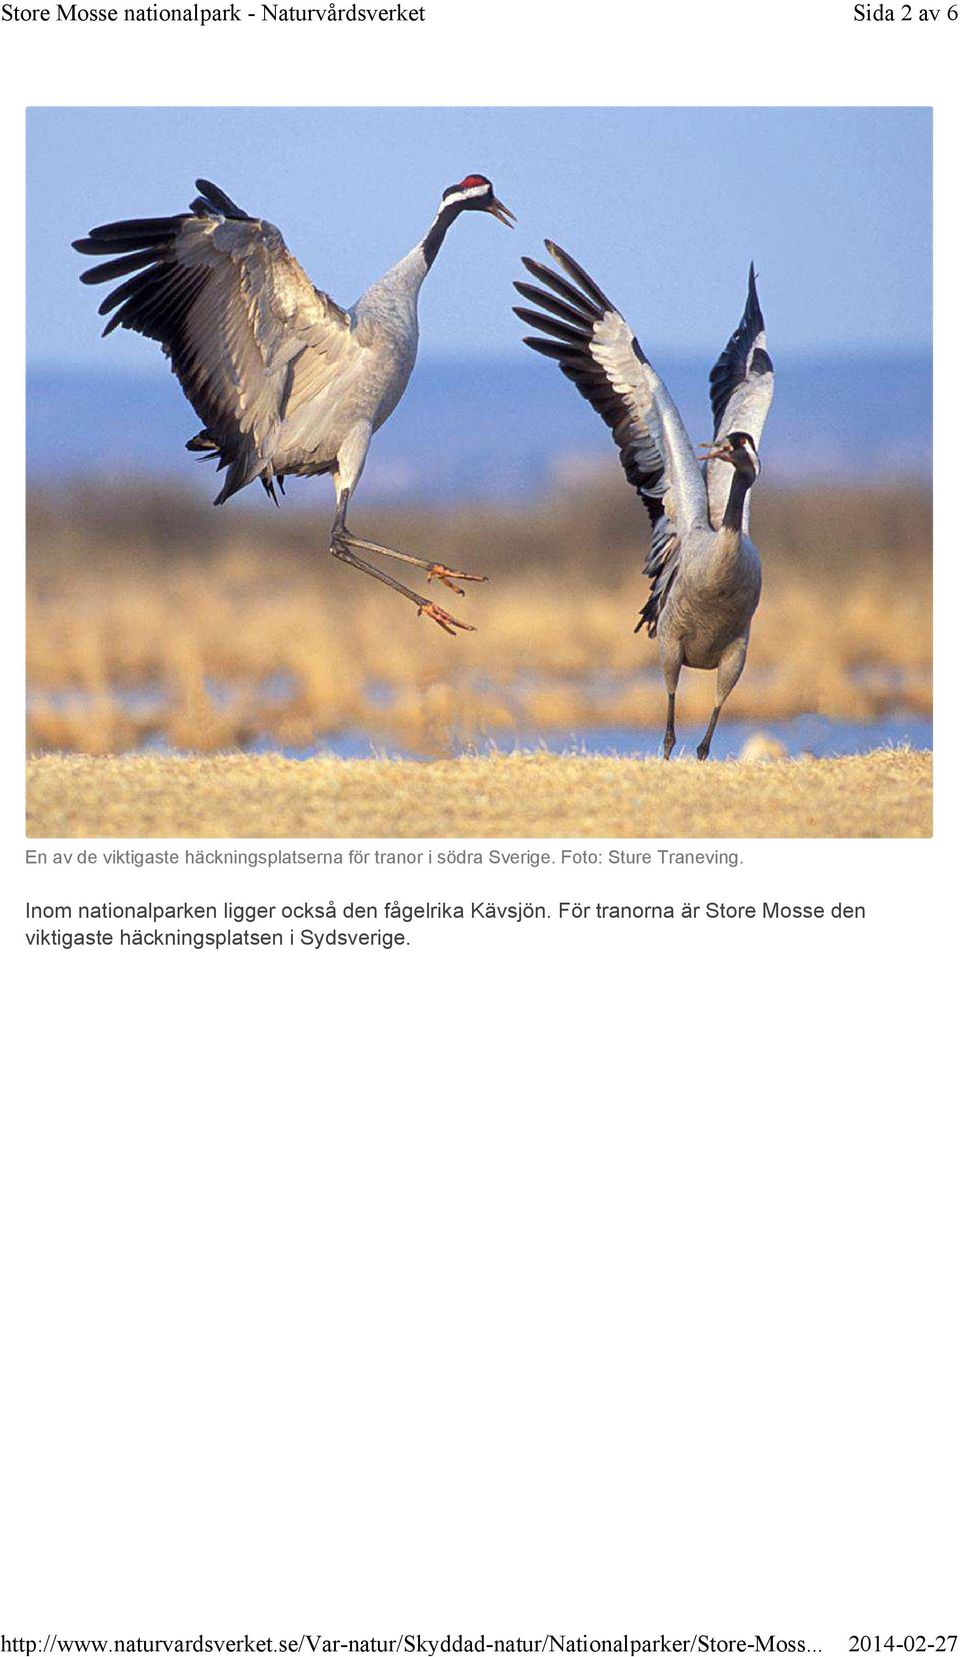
246 332
741 391
596 349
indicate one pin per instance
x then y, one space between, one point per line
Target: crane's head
475 193
739 450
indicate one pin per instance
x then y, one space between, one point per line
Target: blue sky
666 207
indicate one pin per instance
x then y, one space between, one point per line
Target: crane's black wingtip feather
561 255
556 350
753 298
211 191
582 277
219 199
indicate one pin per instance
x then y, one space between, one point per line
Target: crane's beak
717 451
502 213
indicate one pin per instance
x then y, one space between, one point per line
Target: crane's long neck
736 501
433 240
398 290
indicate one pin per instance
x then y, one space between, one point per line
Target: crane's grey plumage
284 379
704 570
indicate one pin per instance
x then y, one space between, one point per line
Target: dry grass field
152 617
887 793
155 621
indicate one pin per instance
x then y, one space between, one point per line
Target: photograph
604 510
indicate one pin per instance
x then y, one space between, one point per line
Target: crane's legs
704 747
671 664
728 672
670 735
435 572
343 544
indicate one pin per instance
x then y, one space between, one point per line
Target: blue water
521 426
809 734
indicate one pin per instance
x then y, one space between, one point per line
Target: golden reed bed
151 616
884 794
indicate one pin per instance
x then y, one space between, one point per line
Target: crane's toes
443 619
439 572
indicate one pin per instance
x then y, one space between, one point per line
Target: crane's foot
703 751
435 571
439 572
342 548
444 619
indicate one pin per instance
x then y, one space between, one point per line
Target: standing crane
284 380
704 570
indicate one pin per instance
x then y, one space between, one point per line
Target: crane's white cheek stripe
467 195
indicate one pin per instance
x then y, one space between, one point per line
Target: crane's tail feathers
241 470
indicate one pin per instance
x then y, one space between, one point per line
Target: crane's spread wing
596 349
741 391
247 333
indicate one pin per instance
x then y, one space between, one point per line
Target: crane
704 570
284 379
